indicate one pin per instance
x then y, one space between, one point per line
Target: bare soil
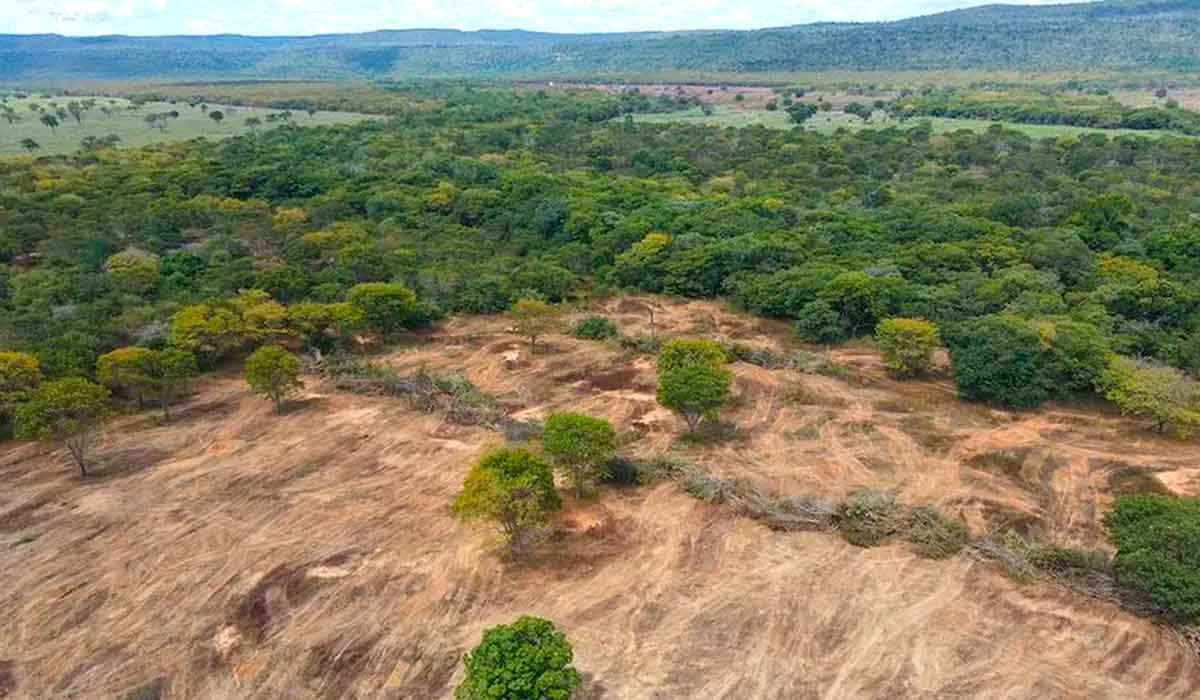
233 553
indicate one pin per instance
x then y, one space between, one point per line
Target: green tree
30 145
534 319
217 116
19 375
1000 359
695 392
122 370
273 373
907 344
1163 395
817 322
595 328
513 488
526 660
165 373
70 411
388 307
685 352
1158 550
800 112
1080 355
582 446
133 271
325 326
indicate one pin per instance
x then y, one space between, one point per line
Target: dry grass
237 554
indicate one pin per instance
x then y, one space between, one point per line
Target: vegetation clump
907 344
595 328
273 373
527 659
1158 550
534 319
582 446
514 489
69 411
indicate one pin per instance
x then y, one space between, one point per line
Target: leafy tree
325 326
1158 550
49 121
1080 355
513 488
582 446
800 112
524 660
1164 395
20 374
685 352
859 110
133 271
70 411
217 116
695 391
1001 359
817 322
273 373
30 145
389 307
165 373
122 370
907 344
534 319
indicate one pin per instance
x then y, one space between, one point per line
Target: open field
131 127
828 122
236 554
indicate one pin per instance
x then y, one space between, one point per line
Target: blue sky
89 17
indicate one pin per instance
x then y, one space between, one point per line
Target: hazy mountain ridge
1118 34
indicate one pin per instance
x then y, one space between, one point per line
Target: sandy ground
236 554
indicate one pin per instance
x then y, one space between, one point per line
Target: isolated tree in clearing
695 392
524 660
582 446
273 373
685 352
70 411
513 488
533 319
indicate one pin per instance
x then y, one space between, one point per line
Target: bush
688 351
595 328
389 307
273 373
817 322
1158 550
525 660
513 488
907 345
1000 359
1164 395
694 392
581 445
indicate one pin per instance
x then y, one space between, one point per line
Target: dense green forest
1059 252
1112 35
1030 107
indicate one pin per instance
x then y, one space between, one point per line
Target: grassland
829 122
115 116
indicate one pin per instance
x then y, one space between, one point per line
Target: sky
298 17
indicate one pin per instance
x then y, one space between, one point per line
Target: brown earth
236 554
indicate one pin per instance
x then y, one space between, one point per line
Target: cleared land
829 122
130 125
236 554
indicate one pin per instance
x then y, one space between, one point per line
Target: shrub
686 352
388 307
533 319
133 271
1080 355
581 445
817 322
121 370
69 411
1158 550
1164 395
595 328
273 373
527 659
1000 359
513 488
907 345
694 392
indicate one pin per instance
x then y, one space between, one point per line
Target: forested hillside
1117 34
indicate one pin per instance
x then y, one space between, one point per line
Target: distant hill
1113 35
